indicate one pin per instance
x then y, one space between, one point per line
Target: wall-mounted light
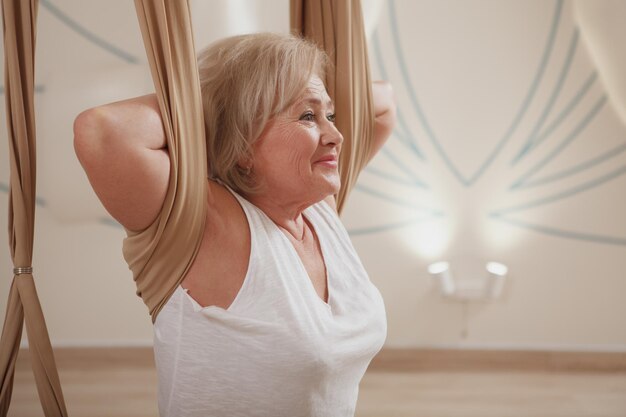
489 287
497 275
441 271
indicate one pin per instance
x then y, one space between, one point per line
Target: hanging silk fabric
337 27
160 255
19 22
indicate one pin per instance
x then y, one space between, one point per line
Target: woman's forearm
382 95
385 114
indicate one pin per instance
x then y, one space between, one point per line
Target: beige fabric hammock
160 255
337 27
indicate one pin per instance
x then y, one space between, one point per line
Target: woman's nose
332 135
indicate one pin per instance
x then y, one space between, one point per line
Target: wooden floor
128 389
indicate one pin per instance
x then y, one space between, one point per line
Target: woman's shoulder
222 204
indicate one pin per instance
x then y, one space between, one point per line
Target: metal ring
23 270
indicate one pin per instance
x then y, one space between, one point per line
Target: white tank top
278 349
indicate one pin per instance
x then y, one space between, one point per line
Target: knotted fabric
19 23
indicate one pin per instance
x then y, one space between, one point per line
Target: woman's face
287 158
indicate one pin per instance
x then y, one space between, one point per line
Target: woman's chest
219 271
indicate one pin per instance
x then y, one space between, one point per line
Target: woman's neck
286 214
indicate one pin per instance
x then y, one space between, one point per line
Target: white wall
474 81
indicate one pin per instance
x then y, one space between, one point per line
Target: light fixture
489 287
441 272
497 274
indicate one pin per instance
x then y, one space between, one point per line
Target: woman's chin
335 186
326 189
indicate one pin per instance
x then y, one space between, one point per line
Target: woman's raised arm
123 150
385 114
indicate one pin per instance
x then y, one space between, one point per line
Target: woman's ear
244 163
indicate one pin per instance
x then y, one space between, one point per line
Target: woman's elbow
384 115
88 127
383 97
385 122
384 108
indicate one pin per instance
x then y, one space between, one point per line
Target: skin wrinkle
284 157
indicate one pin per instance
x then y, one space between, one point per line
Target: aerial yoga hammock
160 255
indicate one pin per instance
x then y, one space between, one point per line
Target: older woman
277 316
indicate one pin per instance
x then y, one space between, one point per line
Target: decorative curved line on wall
42 203
553 96
413 97
387 227
579 167
574 102
574 134
567 193
399 164
38 200
525 104
108 221
531 93
405 134
85 33
38 89
405 139
393 178
589 237
398 201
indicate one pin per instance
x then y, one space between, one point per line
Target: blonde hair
245 80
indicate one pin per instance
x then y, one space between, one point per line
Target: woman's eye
309 117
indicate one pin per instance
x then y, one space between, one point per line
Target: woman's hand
385 114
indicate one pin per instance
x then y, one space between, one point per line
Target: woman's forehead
316 84
317 100
316 96
316 88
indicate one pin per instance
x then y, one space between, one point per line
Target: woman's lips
329 161
327 158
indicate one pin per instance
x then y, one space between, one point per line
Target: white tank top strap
245 204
